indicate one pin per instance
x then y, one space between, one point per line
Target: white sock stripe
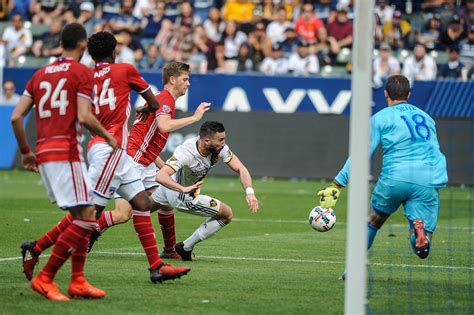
108 218
141 213
88 225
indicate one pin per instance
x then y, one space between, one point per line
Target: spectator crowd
273 37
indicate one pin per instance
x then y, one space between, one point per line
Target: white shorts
147 174
112 172
194 204
67 183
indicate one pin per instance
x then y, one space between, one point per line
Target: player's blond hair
174 69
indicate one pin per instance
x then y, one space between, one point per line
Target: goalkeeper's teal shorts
419 202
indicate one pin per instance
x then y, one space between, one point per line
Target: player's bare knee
225 214
141 202
83 213
122 215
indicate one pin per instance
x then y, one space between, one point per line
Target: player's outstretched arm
246 180
167 124
86 118
164 178
28 158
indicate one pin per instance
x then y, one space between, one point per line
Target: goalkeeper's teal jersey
410 147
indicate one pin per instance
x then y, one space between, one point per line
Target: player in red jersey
112 171
62 94
146 141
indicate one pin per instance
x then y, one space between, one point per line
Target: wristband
25 149
249 191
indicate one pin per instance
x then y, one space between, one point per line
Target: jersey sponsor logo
166 109
102 72
57 68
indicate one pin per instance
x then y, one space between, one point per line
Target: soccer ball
321 219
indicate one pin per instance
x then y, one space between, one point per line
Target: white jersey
190 165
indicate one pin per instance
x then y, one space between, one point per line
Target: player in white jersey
181 179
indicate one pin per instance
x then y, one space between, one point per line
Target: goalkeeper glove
329 195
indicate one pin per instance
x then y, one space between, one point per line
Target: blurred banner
251 93
303 145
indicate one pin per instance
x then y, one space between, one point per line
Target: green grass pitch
271 262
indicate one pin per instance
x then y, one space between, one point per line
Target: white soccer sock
204 231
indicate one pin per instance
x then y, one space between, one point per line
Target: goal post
355 297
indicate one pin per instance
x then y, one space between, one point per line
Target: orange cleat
30 259
422 247
79 287
47 288
167 272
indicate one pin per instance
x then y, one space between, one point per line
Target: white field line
286 260
279 221
279 260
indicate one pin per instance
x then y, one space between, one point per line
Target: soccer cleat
30 258
342 277
170 255
167 272
47 288
81 288
185 255
94 236
422 247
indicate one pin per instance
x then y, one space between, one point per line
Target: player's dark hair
397 87
174 69
101 46
71 35
209 128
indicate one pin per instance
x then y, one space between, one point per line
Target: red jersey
308 30
54 90
146 141
112 86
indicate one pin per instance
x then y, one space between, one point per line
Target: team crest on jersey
112 190
213 203
166 109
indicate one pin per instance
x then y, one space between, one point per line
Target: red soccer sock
146 234
78 259
166 221
50 238
105 220
73 238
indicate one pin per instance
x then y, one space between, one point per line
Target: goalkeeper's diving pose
412 172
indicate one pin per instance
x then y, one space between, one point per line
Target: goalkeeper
412 172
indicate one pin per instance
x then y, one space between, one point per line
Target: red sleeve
136 81
167 106
86 83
